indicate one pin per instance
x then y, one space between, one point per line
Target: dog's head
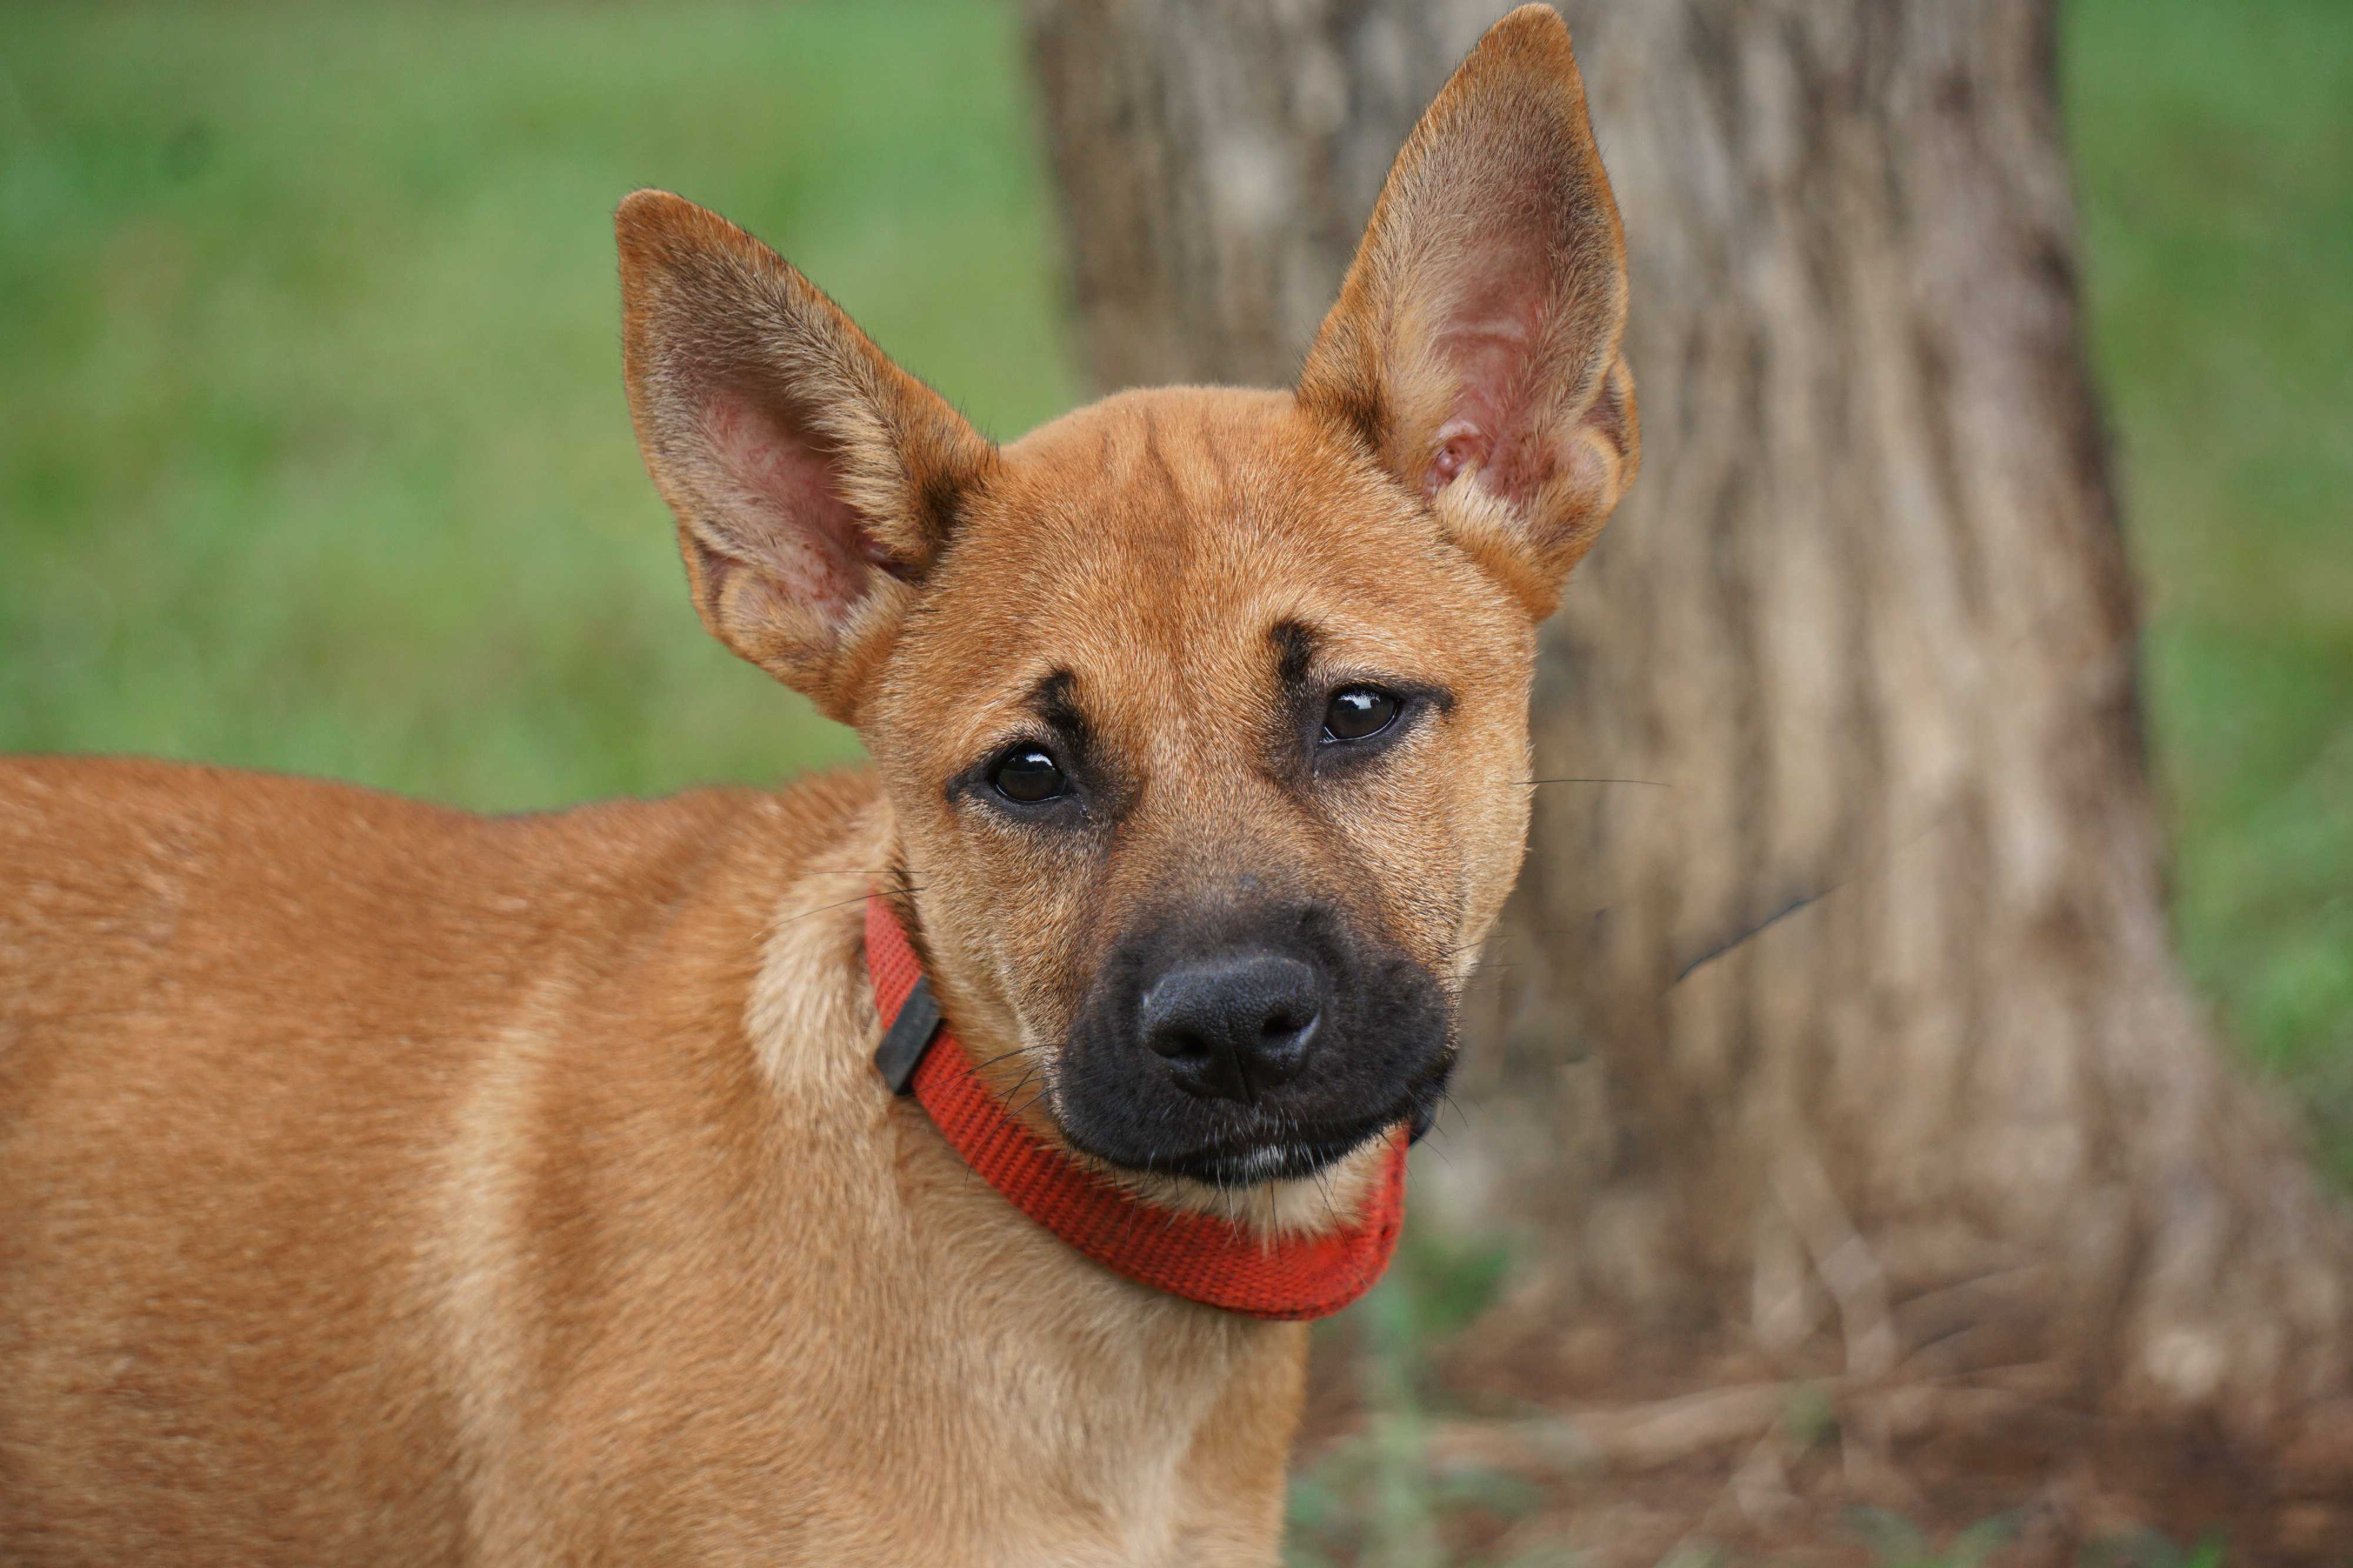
1203 714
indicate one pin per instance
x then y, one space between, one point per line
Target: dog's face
1210 756
1203 714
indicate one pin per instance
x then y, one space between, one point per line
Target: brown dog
382 1184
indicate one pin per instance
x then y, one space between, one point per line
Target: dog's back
274 1057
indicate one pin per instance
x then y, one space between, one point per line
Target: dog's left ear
1475 348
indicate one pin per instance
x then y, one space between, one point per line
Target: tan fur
385 1184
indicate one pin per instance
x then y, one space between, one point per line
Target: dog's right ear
814 481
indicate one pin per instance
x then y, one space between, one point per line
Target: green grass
2215 151
313 454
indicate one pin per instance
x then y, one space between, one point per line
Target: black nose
1232 1027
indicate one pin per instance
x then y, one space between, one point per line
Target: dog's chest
1095 1421
1098 1413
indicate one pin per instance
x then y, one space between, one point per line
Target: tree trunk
1860 1012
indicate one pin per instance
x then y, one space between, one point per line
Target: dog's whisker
845 904
1322 1176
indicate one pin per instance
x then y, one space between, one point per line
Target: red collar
1197 1256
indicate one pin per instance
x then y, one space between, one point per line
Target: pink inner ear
1489 341
796 531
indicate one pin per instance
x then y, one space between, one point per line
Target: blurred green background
313 454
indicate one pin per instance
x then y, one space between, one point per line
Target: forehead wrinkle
1160 596
1295 652
1055 701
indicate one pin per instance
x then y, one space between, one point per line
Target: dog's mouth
1269 1146
1290 1154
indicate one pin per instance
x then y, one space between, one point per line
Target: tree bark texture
1860 1013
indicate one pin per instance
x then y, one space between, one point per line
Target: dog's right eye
1028 774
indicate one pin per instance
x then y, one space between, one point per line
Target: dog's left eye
1028 774
1359 713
